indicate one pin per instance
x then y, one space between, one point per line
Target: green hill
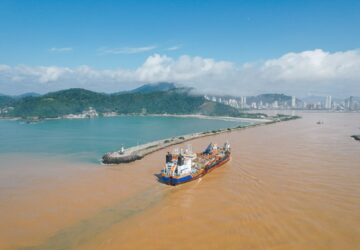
75 101
55 104
6 101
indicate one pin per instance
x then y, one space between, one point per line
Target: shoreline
138 152
222 118
199 116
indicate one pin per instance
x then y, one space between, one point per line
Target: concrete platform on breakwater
138 152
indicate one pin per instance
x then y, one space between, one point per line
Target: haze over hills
29 94
155 87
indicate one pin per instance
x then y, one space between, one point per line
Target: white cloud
184 69
4 68
315 65
293 73
126 50
172 48
315 70
60 50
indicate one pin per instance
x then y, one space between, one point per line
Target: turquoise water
88 139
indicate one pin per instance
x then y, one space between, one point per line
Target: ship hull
173 181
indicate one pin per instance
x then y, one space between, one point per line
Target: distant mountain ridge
152 99
154 87
6 100
269 98
29 94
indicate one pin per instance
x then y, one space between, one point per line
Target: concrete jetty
138 152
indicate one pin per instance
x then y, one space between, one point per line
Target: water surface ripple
291 185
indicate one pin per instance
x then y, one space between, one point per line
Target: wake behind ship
187 166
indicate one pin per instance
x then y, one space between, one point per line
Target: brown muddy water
291 185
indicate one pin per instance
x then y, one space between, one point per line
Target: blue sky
237 31
124 34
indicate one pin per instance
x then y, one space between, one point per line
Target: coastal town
283 102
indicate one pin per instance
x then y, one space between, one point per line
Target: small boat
356 137
187 166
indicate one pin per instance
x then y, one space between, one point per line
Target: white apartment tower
275 104
293 102
328 102
243 101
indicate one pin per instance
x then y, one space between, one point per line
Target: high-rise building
293 102
351 103
233 103
243 101
275 104
328 102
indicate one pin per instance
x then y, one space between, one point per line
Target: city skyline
281 101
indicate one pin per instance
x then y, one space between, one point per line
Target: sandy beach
289 185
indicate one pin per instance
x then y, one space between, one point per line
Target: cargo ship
185 166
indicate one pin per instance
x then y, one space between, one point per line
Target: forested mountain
75 101
6 100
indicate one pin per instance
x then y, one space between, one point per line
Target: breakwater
138 152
